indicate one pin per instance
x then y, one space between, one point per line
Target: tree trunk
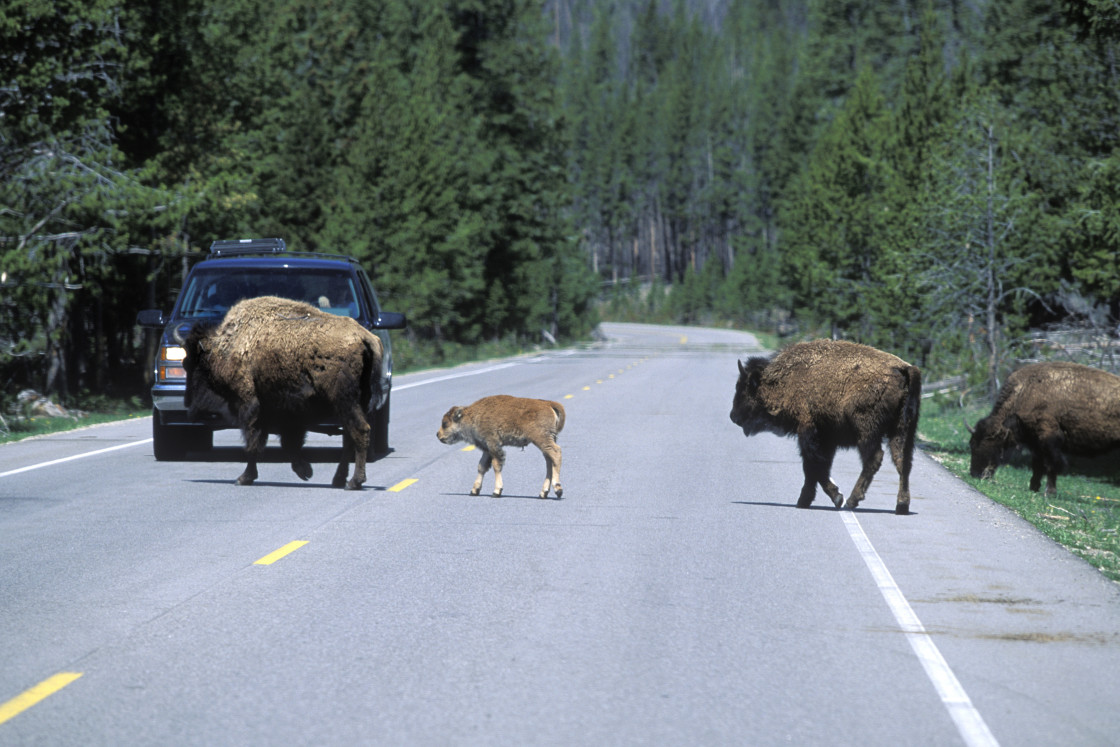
992 290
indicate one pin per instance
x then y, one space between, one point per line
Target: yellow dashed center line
403 484
272 557
468 447
28 698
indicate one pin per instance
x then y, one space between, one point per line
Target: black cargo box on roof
247 246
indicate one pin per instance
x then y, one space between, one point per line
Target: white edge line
76 456
969 722
488 369
396 387
448 377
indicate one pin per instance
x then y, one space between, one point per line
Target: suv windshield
211 292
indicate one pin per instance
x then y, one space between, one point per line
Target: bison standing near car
1052 409
502 420
281 366
833 394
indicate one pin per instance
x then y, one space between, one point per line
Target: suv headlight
169 367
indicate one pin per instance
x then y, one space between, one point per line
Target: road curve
674 596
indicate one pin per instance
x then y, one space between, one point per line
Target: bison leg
358 432
255 439
250 474
343 469
483 465
1038 469
1052 483
816 462
1053 461
291 443
871 456
902 454
552 458
498 461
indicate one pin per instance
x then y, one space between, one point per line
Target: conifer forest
937 178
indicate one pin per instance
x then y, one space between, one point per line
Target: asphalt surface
675 595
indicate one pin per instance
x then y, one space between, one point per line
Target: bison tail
559 410
372 396
912 408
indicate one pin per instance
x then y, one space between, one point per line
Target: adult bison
1052 409
281 366
833 394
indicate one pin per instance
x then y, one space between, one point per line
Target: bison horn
968 427
742 368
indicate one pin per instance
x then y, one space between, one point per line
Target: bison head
200 396
991 439
449 429
747 410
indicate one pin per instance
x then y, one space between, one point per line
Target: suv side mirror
151 318
390 320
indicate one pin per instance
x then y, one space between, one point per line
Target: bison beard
281 366
834 394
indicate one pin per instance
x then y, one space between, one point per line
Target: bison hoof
353 485
902 509
302 469
243 480
497 493
559 492
338 482
476 491
852 503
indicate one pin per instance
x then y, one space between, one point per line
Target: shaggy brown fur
282 365
502 420
1052 409
833 394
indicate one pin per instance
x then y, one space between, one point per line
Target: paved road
674 596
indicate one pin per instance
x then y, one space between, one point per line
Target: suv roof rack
265 247
225 247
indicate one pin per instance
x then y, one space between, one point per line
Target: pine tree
70 207
979 261
837 219
512 76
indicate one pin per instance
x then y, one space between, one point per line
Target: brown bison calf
502 420
1052 409
833 394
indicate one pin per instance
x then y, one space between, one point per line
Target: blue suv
247 268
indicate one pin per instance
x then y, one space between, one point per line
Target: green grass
86 411
1084 516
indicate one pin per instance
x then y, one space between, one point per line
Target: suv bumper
167 401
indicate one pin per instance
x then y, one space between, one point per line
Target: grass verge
1084 516
92 411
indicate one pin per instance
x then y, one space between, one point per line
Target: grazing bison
834 394
281 366
502 420
1052 409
